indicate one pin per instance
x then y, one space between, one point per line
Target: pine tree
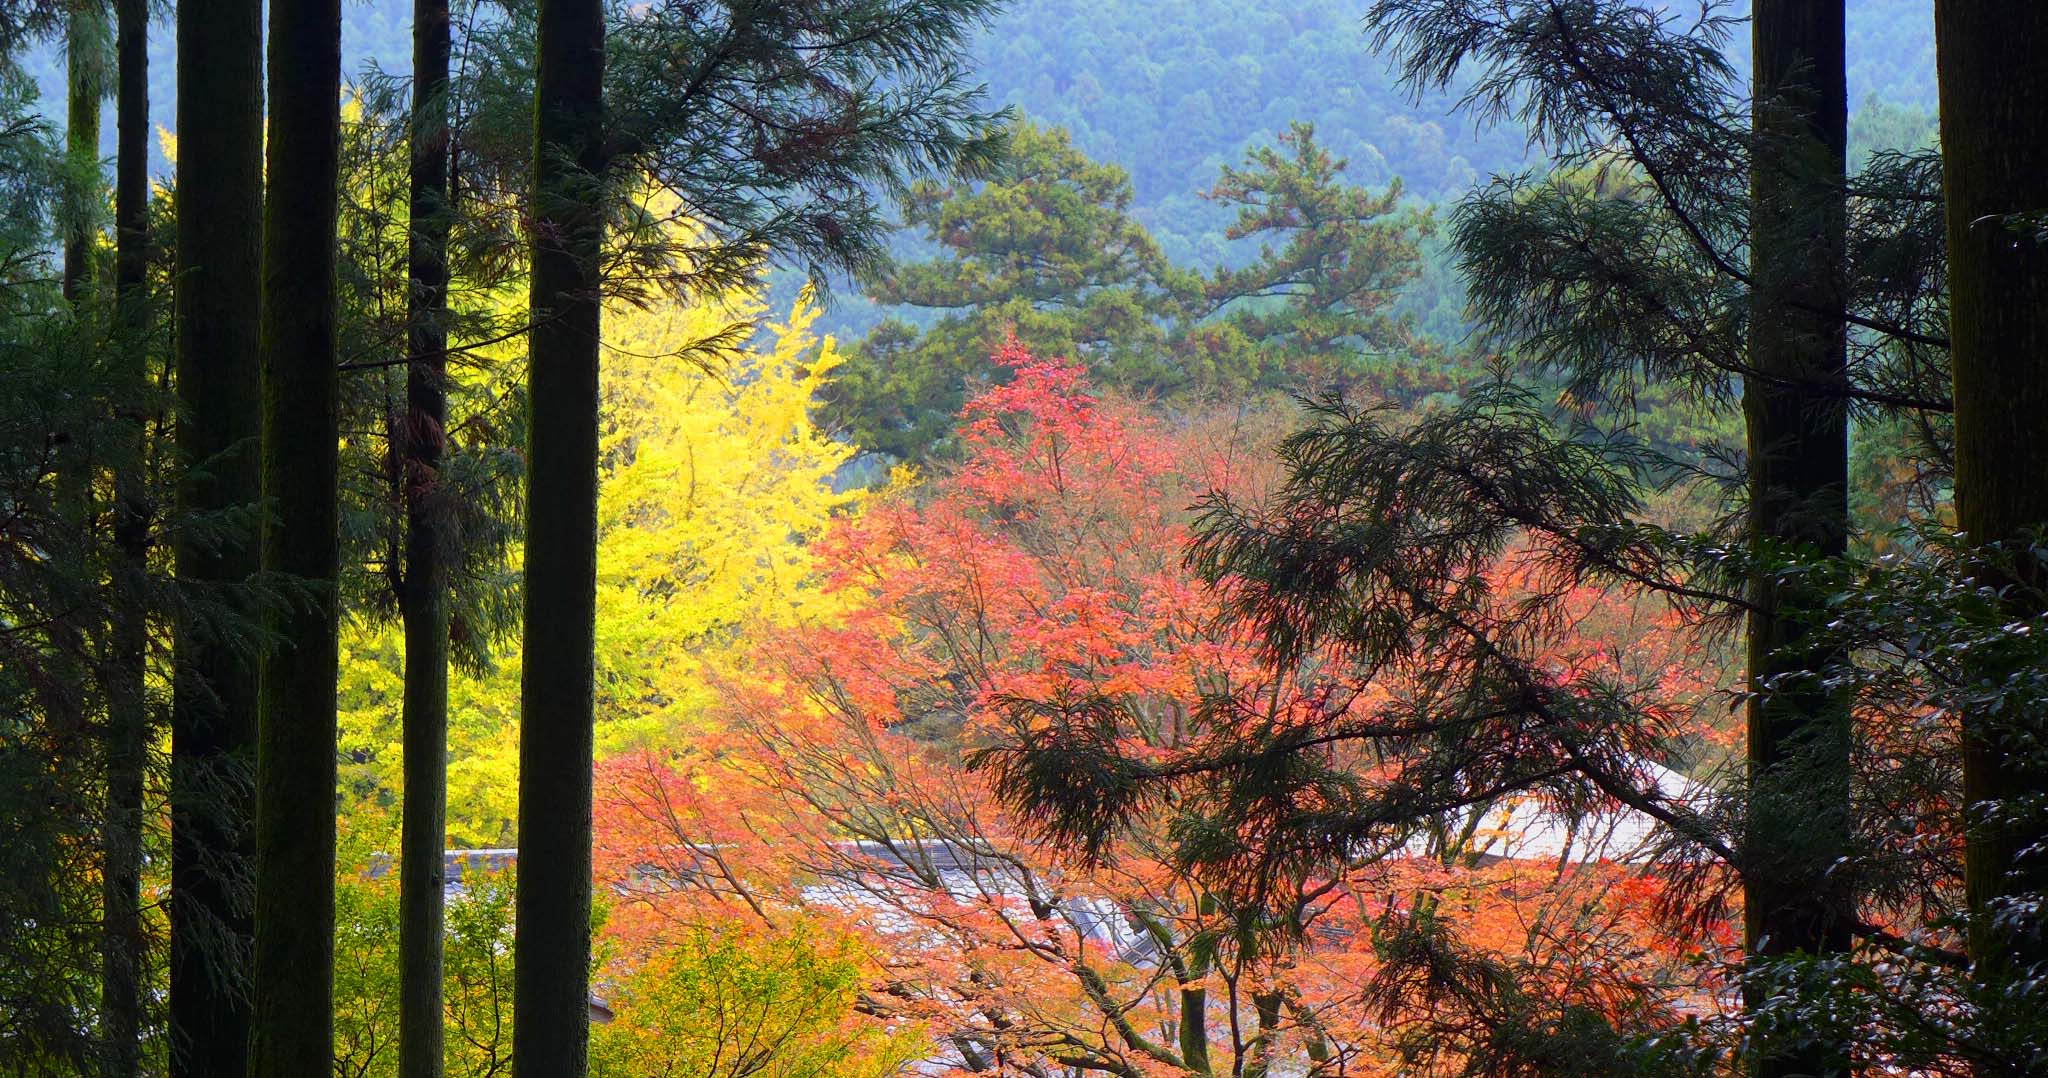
213 721
552 957
1332 257
1995 167
1044 251
293 974
52 593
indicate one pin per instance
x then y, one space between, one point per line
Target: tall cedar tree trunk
1994 95
295 763
128 702
424 595
213 721
85 39
1798 485
550 1024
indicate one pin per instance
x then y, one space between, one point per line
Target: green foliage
1886 125
1174 90
1331 258
1227 75
1045 252
1930 644
778 128
725 1003
478 974
1608 277
72 388
478 483
1048 226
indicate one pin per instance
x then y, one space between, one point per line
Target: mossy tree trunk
551 977
295 776
424 594
1798 431
213 720
85 42
1994 95
128 726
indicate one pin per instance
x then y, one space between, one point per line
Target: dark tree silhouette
1995 167
423 600
550 1021
213 720
1794 899
128 718
293 975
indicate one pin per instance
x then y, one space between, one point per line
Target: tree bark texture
213 720
1994 95
295 775
424 598
1798 449
551 975
128 723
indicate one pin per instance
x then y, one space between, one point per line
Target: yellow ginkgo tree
715 476
714 480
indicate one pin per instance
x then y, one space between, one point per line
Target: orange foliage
1047 567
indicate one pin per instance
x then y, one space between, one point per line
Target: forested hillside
1173 90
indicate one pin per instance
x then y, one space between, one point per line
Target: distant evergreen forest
1173 90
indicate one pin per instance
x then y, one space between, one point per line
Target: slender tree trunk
85 41
1314 1044
295 772
424 591
213 721
550 1025
128 701
1994 94
1259 1054
1798 489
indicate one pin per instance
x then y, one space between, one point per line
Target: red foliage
1047 567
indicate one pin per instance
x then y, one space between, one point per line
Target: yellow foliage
714 478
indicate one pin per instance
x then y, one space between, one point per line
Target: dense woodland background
1173 92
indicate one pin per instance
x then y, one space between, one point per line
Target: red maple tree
1043 576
